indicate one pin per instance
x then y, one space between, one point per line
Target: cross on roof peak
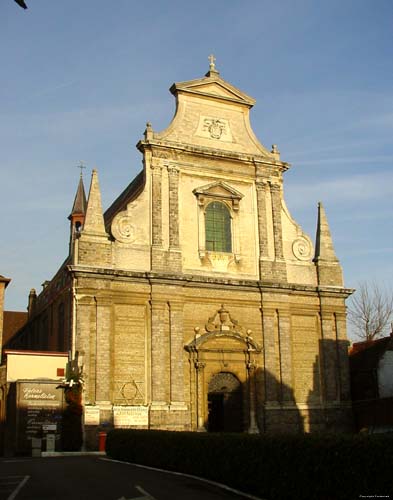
81 166
212 60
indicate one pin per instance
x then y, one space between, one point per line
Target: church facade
196 302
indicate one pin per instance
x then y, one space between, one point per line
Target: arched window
218 228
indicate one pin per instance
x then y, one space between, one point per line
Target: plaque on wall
39 406
92 415
130 416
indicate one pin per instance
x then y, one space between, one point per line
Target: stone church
196 302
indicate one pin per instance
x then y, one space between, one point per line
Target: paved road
94 477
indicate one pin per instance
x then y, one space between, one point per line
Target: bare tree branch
371 310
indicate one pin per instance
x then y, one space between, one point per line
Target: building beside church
196 302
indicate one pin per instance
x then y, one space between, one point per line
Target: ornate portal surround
223 346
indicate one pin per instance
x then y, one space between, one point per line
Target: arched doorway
225 403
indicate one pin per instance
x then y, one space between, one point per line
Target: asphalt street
96 477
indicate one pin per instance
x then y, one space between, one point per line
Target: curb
70 453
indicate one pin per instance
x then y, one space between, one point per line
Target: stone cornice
187 280
177 148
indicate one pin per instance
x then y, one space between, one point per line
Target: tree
371 311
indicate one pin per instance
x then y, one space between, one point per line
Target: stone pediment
213 86
218 189
222 325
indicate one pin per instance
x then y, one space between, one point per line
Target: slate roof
79 206
5 280
130 192
12 323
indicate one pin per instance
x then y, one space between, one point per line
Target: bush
323 467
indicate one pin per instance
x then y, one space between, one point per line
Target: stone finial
31 302
275 151
94 220
324 249
148 131
328 267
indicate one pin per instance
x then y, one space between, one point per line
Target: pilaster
279 268
104 349
264 266
272 374
329 355
175 259
158 254
284 332
85 343
342 351
159 353
176 352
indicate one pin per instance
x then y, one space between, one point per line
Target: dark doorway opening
225 404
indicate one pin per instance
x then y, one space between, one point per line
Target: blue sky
79 80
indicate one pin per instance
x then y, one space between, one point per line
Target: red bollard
101 441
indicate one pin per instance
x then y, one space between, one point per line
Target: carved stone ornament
301 248
222 324
129 392
224 382
214 127
222 321
123 229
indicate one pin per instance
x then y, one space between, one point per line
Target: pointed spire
94 220
324 250
79 206
329 271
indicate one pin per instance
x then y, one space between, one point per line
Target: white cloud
344 190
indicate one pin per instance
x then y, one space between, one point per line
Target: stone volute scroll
302 248
123 229
126 227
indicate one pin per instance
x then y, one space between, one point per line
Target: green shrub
323 467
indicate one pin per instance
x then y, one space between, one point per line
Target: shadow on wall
329 400
243 407
267 405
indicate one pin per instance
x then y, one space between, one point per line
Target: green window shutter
218 228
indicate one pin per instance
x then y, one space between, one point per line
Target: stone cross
212 60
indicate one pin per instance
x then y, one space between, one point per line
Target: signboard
92 415
39 408
49 427
130 416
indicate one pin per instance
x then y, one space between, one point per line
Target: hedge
302 467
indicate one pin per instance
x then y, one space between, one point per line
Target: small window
218 228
